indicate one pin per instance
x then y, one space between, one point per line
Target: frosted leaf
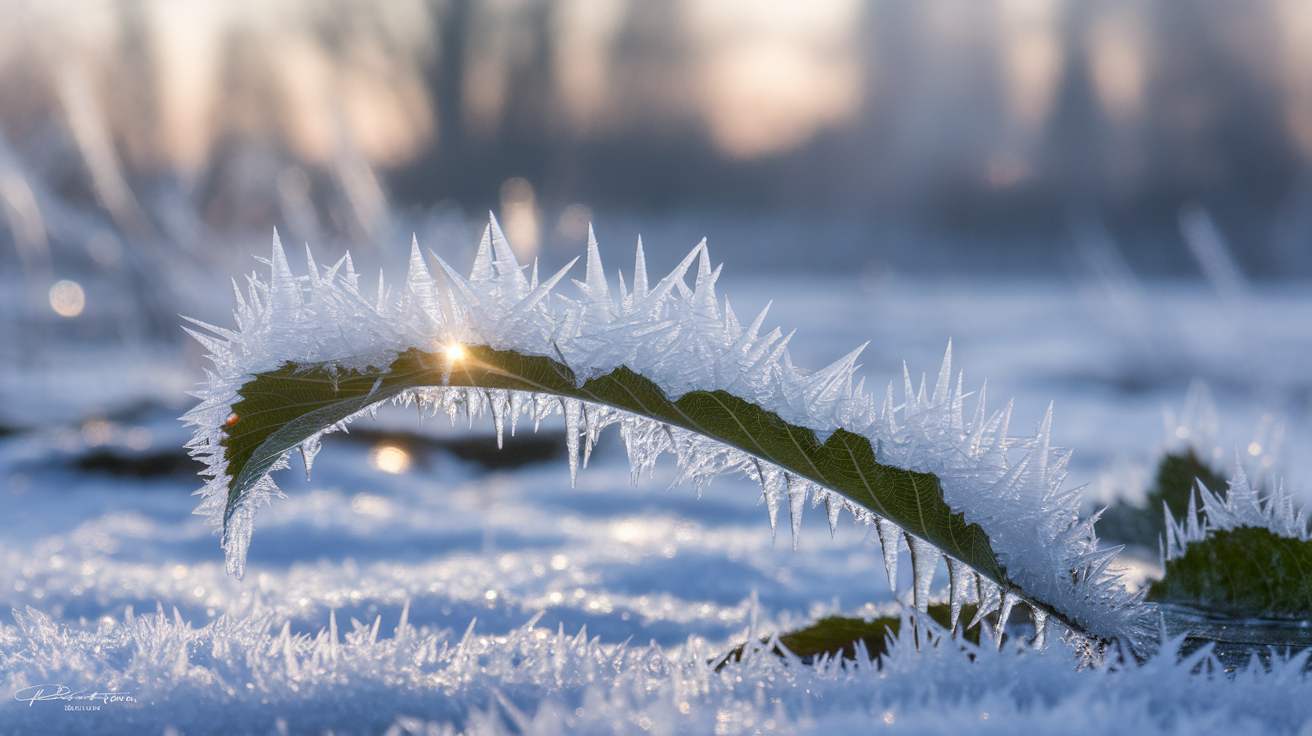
1242 506
681 339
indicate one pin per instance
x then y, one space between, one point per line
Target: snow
636 562
681 339
251 676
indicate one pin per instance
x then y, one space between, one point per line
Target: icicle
924 561
519 401
573 421
590 430
1004 613
1040 618
797 489
544 405
309 448
890 540
960 581
496 401
989 600
832 508
773 489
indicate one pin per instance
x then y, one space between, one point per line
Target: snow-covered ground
416 585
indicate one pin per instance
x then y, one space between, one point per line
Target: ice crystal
1240 507
683 339
256 675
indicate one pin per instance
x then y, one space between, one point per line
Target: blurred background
914 157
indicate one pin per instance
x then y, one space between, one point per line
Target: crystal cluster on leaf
683 339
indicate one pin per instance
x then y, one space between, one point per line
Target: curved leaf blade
280 409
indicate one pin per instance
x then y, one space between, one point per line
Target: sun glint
455 351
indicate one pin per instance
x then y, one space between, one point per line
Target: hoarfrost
254 675
1241 507
682 339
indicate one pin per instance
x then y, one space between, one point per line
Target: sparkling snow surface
361 585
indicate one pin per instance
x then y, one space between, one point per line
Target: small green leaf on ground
837 636
1248 571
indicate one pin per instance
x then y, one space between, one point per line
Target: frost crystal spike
924 561
890 539
680 340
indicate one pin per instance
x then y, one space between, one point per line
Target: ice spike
1004 613
924 561
797 489
890 539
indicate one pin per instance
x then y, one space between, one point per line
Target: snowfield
419 583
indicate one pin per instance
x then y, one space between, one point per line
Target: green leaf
836 636
279 409
1248 571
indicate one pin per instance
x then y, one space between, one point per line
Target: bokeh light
67 298
389 459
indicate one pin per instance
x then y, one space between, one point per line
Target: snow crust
683 339
252 675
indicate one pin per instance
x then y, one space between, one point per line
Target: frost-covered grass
248 676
